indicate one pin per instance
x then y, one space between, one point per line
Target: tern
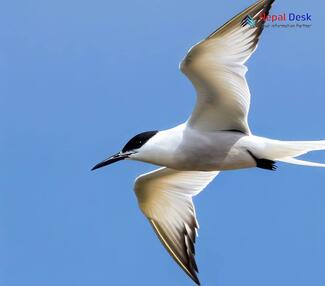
216 137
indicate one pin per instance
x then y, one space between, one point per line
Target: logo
248 20
284 17
283 20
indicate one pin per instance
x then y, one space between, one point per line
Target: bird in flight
216 137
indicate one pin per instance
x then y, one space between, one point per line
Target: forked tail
287 151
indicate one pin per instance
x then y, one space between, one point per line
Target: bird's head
131 148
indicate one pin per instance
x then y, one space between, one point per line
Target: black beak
115 158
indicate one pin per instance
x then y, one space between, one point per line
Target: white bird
216 137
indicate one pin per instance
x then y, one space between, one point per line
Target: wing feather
216 67
165 197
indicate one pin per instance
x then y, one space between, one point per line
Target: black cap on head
138 141
135 143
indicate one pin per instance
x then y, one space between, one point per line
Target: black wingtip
197 281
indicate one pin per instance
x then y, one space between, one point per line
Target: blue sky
79 78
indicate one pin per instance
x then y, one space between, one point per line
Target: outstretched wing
216 68
165 197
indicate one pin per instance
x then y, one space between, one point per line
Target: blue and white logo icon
248 20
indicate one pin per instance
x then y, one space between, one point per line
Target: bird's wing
216 68
165 197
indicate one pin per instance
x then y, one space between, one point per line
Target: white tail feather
287 151
302 162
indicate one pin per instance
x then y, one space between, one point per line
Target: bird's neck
161 148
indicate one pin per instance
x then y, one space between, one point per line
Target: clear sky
79 78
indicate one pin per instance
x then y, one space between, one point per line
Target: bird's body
186 149
216 136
